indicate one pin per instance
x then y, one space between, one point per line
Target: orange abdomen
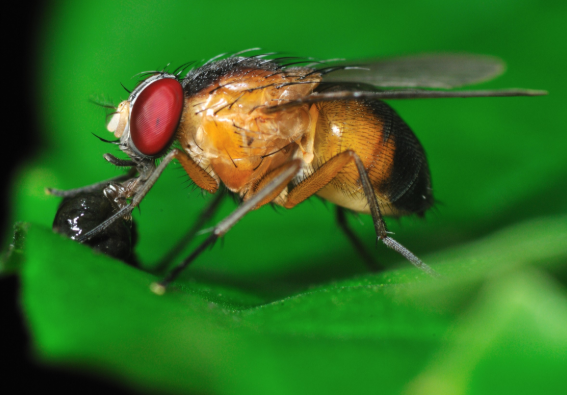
392 156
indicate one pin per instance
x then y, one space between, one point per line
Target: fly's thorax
228 131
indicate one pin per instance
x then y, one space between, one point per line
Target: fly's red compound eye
155 116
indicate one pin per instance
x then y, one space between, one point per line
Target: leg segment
371 264
91 188
326 173
99 185
380 226
277 183
205 215
312 184
148 177
267 179
199 176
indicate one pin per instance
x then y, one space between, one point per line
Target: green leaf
511 340
382 330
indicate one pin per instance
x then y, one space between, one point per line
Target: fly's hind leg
380 226
330 170
277 180
370 262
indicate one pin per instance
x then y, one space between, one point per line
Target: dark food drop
79 214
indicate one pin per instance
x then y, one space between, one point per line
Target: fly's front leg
99 185
138 188
278 180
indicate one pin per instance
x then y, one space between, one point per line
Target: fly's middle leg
370 262
207 213
268 191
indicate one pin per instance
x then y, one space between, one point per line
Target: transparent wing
401 94
421 71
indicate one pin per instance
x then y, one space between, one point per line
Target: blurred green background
269 311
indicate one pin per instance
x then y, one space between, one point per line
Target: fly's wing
422 71
364 80
401 94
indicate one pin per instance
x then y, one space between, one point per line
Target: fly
275 131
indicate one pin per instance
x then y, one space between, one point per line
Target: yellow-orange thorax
227 132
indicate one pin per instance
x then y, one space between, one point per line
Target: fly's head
147 122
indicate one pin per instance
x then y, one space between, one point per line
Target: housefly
279 130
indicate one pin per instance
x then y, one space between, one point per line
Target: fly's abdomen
390 152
